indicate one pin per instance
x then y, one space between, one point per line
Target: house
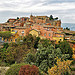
58 37
35 32
11 38
22 31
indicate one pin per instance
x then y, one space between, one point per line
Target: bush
62 68
72 63
14 69
72 69
29 70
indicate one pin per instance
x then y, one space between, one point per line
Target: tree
17 18
29 70
65 48
45 42
5 45
51 17
14 69
45 57
36 42
30 58
56 18
67 28
62 68
5 34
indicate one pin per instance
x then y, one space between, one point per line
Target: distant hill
69 25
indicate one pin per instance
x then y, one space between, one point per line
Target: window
60 39
47 28
15 31
49 34
22 31
45 34
7 39
11 39
12 30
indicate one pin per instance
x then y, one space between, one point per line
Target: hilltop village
39 41
39 26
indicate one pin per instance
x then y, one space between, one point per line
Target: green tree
5 34
48 56
56 18
17 18
51 17
65 48
45 42
30 58
67 28
14 69
36 42
5 45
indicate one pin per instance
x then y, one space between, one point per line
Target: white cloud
45 7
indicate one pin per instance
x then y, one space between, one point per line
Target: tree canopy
5 34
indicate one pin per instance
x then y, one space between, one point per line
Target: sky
64 9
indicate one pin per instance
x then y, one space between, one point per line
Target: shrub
72 69
29 70
72 63
62 68
14 69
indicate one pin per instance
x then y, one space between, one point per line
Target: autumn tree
29 70
61 68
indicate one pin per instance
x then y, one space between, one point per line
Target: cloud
64 9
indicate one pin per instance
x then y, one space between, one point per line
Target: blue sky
64 9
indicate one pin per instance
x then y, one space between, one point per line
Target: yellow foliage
60 68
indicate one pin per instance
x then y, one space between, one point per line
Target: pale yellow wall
58 39
12 37
34 33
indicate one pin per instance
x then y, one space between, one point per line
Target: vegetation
65 48
17 18
14 69
51 17
66 28
5 34
62 68
34 51
45 57
29 70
